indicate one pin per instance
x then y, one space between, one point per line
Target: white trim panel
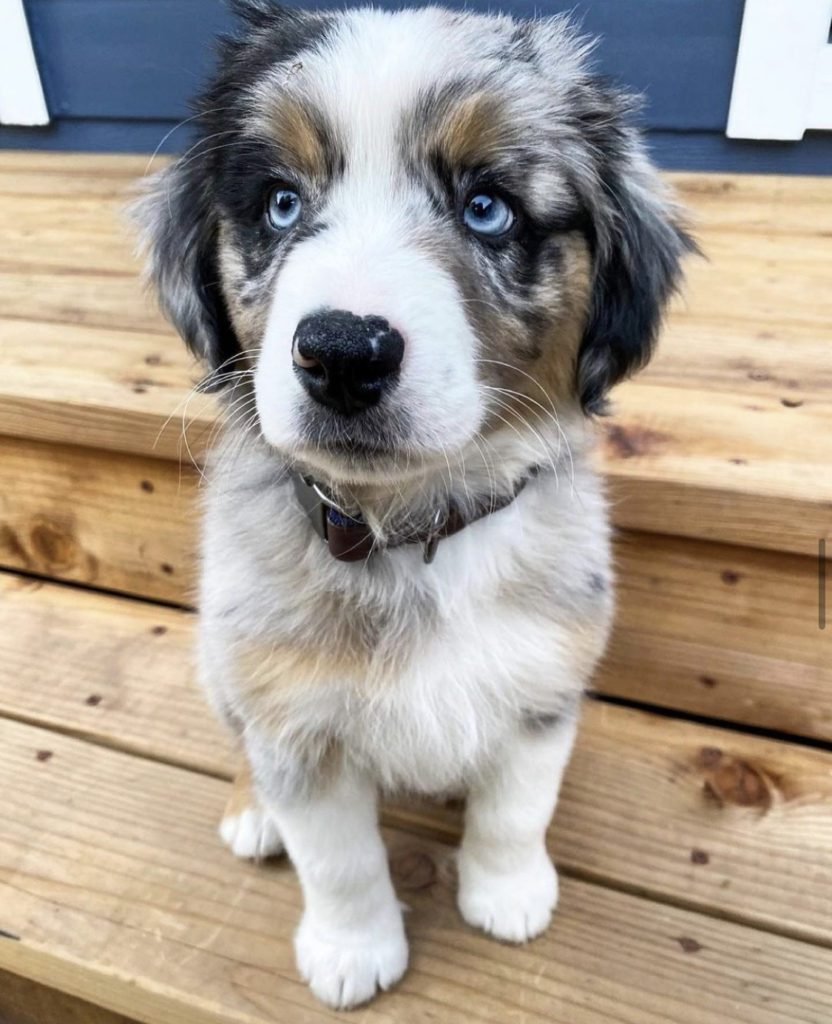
21 94
783 76
820 107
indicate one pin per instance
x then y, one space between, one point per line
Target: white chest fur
418 672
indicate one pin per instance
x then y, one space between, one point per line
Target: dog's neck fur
481 473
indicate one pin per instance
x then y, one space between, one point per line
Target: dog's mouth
364 446
374 434
359 450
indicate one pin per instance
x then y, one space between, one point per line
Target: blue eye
488 214
284 208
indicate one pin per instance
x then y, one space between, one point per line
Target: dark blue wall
118 74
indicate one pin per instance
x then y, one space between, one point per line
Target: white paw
345 968
512 907
251 834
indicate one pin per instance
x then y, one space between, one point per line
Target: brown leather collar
350 539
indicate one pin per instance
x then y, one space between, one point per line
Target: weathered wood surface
724 436
695 860
98 518
706 818
719 630
25 1002
114 884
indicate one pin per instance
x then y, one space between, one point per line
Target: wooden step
25 1002
710 819
694 858
719 630
119 522
724 437
114 889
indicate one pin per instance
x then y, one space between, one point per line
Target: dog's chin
357 462
379 463
369 448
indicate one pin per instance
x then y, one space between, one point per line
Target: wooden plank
756 203
33 173
96 665
81 233
706 818
748 203
112 878
720 203
748 344
726 632
720 467
122 390
118 522
24 1002
82 297
787 362
742 280
747 650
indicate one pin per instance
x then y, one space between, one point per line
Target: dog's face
411 230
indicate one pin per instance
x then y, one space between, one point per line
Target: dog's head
410 230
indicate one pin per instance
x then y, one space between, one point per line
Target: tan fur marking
556 367
299 137
248 317
268 678
474 132
553 372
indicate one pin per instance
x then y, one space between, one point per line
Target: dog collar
350 538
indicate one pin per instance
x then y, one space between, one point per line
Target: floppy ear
638 244
179 241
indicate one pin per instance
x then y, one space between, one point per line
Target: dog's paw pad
511 907
251 834
347 968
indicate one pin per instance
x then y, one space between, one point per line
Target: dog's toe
251 833
512 907
347 968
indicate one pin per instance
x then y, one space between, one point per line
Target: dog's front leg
508 885
351 940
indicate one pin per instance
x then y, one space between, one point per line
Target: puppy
415 250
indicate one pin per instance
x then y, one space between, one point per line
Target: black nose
347 361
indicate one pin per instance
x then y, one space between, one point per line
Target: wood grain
644 798
111 669
720 466
725 632
40 174
122 390
724 435
756 204
113 886
118 522
24 1002
774 360
748 650
112 878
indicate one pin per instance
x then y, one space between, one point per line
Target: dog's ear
638 241
177 214
179 231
